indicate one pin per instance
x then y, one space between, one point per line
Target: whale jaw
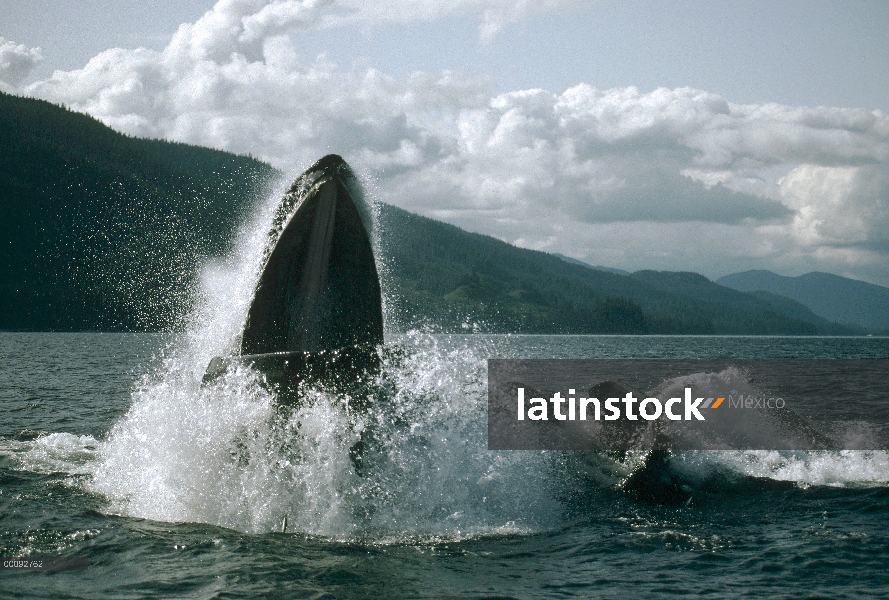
316 316
319 289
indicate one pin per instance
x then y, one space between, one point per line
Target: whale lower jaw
343 370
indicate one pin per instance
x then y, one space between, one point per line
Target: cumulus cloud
251 20
594 174
280 17
839 207
16 62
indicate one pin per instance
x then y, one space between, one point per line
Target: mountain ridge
832 297
104 231
468 279
588 265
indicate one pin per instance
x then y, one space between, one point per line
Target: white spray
224 454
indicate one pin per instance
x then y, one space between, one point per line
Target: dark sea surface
111 450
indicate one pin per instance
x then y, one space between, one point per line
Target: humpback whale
316 317
316 313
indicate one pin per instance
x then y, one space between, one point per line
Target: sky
702 136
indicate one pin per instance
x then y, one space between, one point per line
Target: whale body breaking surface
316 313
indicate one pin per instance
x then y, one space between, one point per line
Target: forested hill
101 231
447 279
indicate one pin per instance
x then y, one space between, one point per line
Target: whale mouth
316 316
319 289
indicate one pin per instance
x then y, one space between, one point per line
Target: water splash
224 454
837 468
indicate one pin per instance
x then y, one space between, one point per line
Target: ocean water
111 450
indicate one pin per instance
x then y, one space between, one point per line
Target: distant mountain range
445 279
832 297
101 231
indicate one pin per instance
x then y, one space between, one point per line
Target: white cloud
242 22
16 62
841 208
594 174
279 17
494 14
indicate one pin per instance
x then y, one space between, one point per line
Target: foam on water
53 453
840 468
805 468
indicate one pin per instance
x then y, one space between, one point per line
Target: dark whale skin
316 316
319 289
